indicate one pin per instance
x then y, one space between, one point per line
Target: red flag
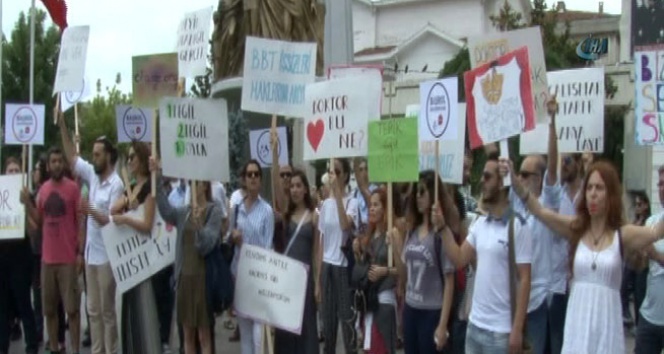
58 11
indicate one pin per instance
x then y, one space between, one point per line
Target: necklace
596 241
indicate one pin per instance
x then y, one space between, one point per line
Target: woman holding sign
199 231
301 244
140 325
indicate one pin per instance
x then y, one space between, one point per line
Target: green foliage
507 19
16 72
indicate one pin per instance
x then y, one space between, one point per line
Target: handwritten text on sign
12 212
136 257
24 124
649 67
194 138
271 288
193 39
154 76
336 122
275 76
133 124
71 61
393 150
580 118
373 74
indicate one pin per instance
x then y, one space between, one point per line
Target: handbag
514 275
219 285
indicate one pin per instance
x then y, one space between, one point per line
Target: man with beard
105 187
56 211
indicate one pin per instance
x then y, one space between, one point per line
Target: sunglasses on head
253 174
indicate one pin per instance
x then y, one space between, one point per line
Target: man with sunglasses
105 187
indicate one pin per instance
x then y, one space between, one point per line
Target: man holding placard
105 188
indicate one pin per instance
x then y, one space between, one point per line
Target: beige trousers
101 308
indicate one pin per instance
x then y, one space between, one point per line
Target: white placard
374 75
270 288
193 40
194 138
133 123
135 257
261 149
488 47
275 76
450 152
336 122
580 118
12 212
24 124
438 110
71 61
69 98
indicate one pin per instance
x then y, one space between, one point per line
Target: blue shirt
363 207
257 226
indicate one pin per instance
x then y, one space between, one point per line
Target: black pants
164 295
649 338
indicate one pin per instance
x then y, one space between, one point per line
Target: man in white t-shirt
491 328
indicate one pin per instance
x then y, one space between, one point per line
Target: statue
290 20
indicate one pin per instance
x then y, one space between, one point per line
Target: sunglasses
286 175
253 174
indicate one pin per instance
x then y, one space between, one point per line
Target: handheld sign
439 109
69 98
154 76
194 138
261 150
373 74
12 212
71 61
270 288
275 76
133 124
649 107
393 150
24 124
193 39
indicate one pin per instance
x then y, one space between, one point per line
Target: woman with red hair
597 235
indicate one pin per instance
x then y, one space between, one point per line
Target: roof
386 52
578 15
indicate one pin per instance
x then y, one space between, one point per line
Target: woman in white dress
597 235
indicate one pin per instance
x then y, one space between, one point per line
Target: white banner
71 62
374 75
135 257
580 118
275 76
193 40
194 138
337 118
69 98
439 114
649 105
133 123
270 288
24 124
12 212
261 149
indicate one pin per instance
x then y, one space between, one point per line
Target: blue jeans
649 338
481 341
419 327
536 324
557 312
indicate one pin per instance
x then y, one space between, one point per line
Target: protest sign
337 120
71 60
450 152
270 288
193 39
373 74
12 212
135 257
261 149
194 138
438 103
649 110
153 77
393 150
488 47
69 98
24 124
580 118
275 76
499 99
133 124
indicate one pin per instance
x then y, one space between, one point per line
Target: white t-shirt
491 297
330 229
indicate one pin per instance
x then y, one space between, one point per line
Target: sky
120 29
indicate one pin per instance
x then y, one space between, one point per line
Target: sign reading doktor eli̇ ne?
276 74
271 288
393 150
194 138
649 110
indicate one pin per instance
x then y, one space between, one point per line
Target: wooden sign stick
78 139
194 198
153 174
390 225
24 153
275 165
56 110
435 185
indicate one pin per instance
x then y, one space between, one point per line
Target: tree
16 72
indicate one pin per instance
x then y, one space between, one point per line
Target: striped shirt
257 226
